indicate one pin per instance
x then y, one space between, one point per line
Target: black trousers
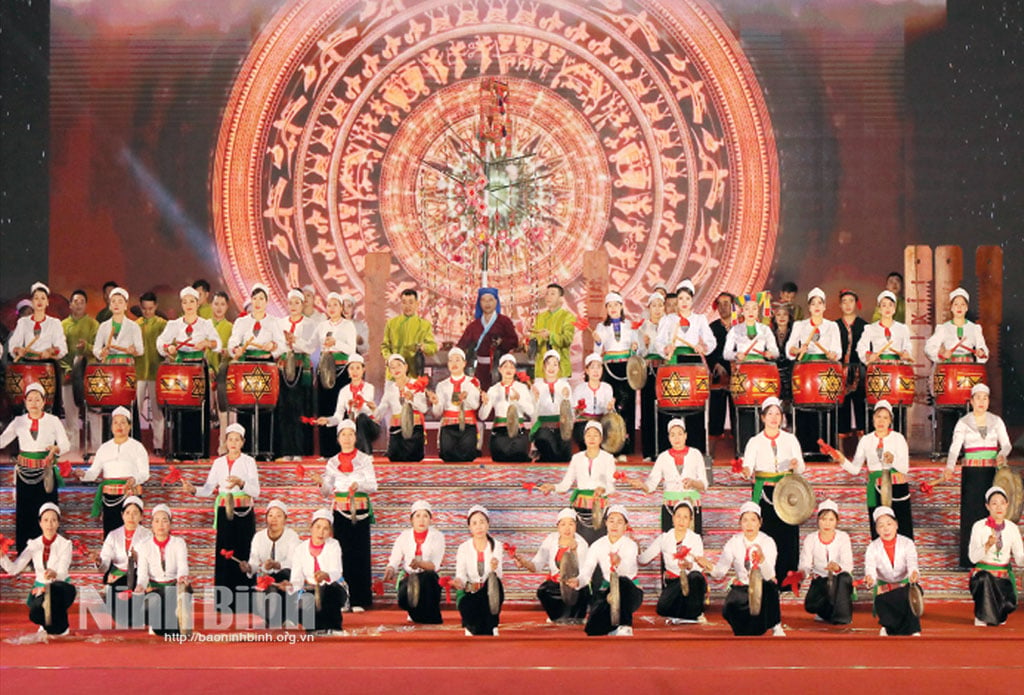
354 539
786 537
332 598
292 437
625 401
894 614
367 432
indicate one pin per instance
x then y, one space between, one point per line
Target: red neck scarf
890 550
188 328
315 550
294 324
46 548
679 455
420 537
128 535
345 461
998 528
34 427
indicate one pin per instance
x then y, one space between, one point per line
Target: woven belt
451 417
417 418
762 479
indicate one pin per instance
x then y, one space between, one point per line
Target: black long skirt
625 401
456 445
653 423
994 597
62 595
112 513
736 610
161 609
974 481
29 498
354 539
505 449
599 621
235 536
550 595
367 432
672 603
428 608
476 611
834 607
326 403
292 437
551 448
332 598
402 449
894 614
786 536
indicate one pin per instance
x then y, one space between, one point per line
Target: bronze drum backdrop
520 132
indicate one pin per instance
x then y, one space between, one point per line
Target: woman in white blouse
549 559
827 557
995 543
680 550
50 556
591 477
270 559
123 464
415 560
478 575
316 578
890 566
163 576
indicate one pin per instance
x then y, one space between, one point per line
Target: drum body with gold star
892 381
252 384
818 384
21 374
109 385
181 385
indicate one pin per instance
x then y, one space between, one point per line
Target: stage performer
478 573
749 342
118 340
743 552
890 566
118 561
554 329
415 561
548 393
50 555
593 398
887 340
146 365
316 578
183 341
270 555
827 557
720 398
769 457
80 334
591 476
214 358
399 392
336 338
685 476
985 444
41 441
39 336
349 480
549 558
455 402
356 402
814 339
616 556
680 549
294 439
782 328
650 419
409 333
163 575
851 327
615 341
995 541
506 446
123 465
235 479
490 335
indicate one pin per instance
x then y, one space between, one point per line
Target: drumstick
959 345
749 348
27 348
885 347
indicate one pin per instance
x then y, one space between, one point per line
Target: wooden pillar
917 261
949 274
376 274
988 265
595 283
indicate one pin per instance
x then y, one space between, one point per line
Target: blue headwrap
480 293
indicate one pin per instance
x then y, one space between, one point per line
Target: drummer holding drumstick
886 340
749 341
813 339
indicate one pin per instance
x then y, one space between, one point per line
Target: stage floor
383 651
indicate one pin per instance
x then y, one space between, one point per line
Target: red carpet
384 652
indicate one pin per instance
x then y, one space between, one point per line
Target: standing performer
294 440
409 333
749 342
548 393
650 418
40 338
743 552
615 340
118 340
884 450
593 397
349 479
270 555
214 358
477 560
720 398
813 339
782 328
957 340
894 284
309 309
152 326
399 391
982 437
851 328
686 478
886 341
890 566
681 550
554 329
591 476
123 464
549 558
50 555
994 542
184 340
489 336
616 556
506 446
163 575
80 336
455 402
118 561
827 557
236 481
257 337
356 401
336 337
348 311
316 577
205 305
415 560
770 456
686 337
41 441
